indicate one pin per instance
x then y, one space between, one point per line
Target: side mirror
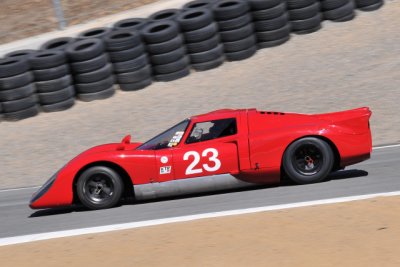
125 141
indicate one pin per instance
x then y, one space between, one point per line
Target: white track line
124 226
388 146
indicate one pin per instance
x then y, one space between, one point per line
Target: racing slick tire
308 160
99 187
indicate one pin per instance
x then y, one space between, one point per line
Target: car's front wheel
308 160
99 187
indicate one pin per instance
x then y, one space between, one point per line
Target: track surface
379 174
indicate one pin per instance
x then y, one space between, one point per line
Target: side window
208 130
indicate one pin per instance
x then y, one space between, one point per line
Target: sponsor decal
165 170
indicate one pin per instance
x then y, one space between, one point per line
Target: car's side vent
272 113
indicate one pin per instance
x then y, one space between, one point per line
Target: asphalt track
377 175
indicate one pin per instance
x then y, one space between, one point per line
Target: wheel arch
126 179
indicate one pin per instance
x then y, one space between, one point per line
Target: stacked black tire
60 43
17 92
92 72
235 28
369 5
53 80
338 10
305 15
129 59
131 24
271 22
201 39
166 49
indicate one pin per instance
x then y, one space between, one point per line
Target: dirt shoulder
360 233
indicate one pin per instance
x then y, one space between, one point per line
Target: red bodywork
254 154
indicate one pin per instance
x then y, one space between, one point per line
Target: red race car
222 149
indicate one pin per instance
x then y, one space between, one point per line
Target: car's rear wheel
99 187
308 160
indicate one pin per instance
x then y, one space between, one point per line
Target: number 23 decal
196 159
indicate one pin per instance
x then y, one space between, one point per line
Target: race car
223 149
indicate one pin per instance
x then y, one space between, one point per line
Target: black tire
122 40
173 75
307 25
209 64
349 17
51 74
207 56
21 114
199 4
16 81
201 34
131 65
99 32
160 31
60 106
270 13
53 85
308 160
241 55
193 19
134 86
263 4
87 88
60 43
240 45
128 54
87 97
371 7
365 3
24 54
166 14
132 24
274 35
202 46
271 24
273 43
102 180
332 4
168 57
56 96
172 67
94 76
237 34
90 64
235 23
167 46
293 4
340 12
17 93
305 12
85 49
19 104
134 76
229 9
47 59
13 66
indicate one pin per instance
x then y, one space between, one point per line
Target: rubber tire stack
304 15
235 28
99 32
271 22
129 59
338 10
60 43
201 39
369 5
199 4
17 98
166 14
132 24
53 80
91 70
164 41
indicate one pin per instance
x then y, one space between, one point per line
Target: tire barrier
17 91
91 69
338 10
166 49
236 29
129 59
202 39
163 47
369 5
53 80
271 22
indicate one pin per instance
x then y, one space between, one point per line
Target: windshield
169 138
